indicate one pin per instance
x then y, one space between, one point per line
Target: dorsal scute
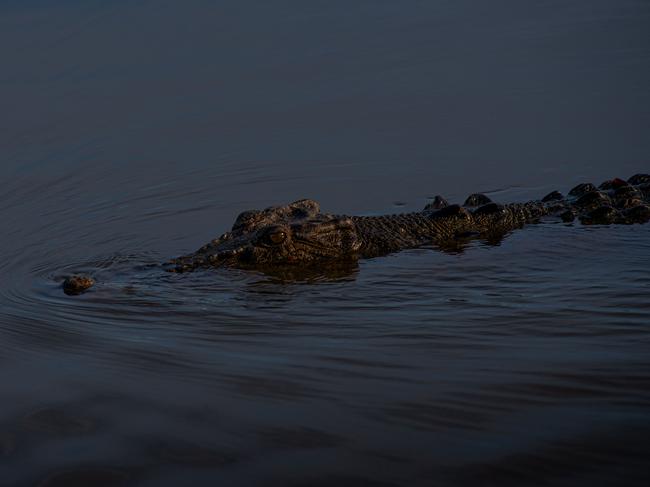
581 189
639 179
613 184
438 203
477 199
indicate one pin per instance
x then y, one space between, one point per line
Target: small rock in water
76 284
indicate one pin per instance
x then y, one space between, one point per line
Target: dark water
131 132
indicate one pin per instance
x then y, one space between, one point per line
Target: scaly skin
298 235
386 234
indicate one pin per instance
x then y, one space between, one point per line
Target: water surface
136 131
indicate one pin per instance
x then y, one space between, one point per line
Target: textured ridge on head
288 234
251 219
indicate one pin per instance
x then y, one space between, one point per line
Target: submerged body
300 235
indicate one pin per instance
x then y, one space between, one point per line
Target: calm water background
133 131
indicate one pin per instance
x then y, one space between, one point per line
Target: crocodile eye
276 236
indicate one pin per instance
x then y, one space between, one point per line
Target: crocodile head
297 233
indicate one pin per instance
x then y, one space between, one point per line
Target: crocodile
300 235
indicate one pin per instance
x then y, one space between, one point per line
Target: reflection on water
137 131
